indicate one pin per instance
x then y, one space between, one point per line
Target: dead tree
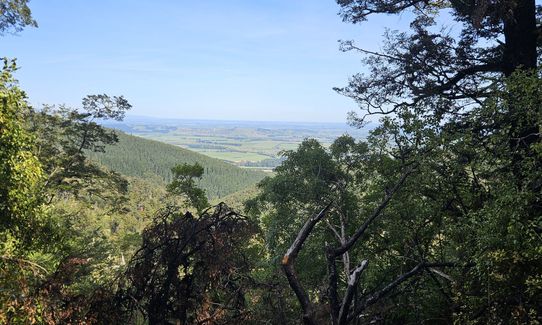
190 270
344 311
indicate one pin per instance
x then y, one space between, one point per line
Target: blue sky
272 60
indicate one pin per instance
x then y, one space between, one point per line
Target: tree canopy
14 16
438 69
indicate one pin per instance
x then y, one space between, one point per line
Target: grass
229 148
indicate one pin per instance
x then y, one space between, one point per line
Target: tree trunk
520 34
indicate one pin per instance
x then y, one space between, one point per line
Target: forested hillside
138 157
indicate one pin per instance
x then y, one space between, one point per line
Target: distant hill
152 160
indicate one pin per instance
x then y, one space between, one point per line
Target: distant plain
248 144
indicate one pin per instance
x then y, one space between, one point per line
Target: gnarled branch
288 264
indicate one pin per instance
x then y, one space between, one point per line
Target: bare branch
334 231
461 74
349 45
375 297
356 11
353 280
382 292
332 290
289 259
442 274
361 230
302 236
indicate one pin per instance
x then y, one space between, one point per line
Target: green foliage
21 175
237 199
474 200
19 304
142 158
505 216
466 106
183 184
309 177
53 246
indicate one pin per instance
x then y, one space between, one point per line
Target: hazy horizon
130 117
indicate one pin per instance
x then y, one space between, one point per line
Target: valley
247 144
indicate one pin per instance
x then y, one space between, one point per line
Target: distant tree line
268 162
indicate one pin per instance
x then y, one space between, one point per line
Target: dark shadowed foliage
189 270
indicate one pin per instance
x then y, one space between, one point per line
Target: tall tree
184 184
462 105
489 37
445 71
66 135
